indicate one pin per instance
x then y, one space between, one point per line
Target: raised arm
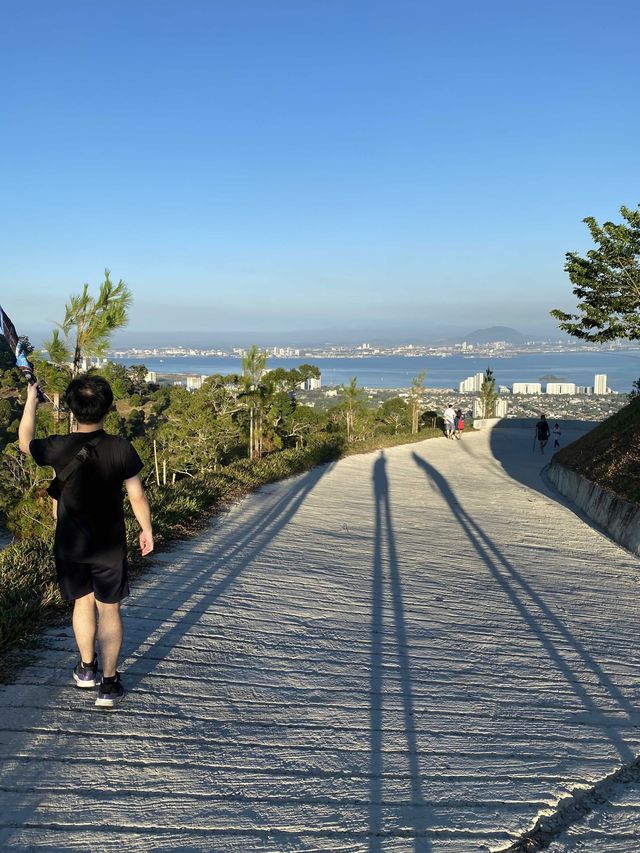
140 507
27 429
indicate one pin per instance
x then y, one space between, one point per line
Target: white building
151 377
600 383
499 410
471 383
561 388
527 388
311 384
194 383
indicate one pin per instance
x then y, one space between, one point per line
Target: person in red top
90 541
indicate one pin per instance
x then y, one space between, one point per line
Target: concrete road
420 649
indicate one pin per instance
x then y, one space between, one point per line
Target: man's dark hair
89 398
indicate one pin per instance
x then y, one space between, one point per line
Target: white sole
83 685
108 703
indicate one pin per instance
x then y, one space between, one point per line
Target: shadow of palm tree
385 556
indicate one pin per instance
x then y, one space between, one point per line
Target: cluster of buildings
474 383
284 352
194 383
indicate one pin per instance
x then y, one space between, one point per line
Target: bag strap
78 459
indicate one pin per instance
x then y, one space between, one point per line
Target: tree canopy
606 282
88 323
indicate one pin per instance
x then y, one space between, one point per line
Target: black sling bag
56 486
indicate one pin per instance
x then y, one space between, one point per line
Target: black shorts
109 584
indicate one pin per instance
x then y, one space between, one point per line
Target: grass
609 454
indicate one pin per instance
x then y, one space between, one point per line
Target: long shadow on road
385 556
504 573
524 598
230 556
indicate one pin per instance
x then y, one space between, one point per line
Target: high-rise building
560 388
501 408
312 384
600 383
471 383
527 388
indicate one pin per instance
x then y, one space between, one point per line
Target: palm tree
254 362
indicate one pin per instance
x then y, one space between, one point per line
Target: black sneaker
85 676
110 692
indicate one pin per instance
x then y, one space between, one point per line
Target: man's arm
27 429
140 507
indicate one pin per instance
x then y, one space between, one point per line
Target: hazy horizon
200 338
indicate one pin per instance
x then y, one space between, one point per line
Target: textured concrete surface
415 650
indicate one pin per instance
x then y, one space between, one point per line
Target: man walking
542 432
90 542
449 416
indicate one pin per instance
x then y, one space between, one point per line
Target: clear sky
394 169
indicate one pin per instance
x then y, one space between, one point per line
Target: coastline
396 372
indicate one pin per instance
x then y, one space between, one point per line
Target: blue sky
330 167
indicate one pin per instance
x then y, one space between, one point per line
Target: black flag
20 347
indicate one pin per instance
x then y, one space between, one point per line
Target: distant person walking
556 435
458 424
542 432
449 416
90 543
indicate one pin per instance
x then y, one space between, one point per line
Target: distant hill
496 333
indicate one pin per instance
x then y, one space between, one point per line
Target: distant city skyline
334 171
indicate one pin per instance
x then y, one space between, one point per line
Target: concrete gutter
620 519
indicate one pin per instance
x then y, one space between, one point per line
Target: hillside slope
609 455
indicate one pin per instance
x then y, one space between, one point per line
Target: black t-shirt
543 430
90 527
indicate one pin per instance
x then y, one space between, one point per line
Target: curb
619 518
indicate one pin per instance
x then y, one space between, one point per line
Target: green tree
488 394
193 438
395 414
118 377
303 424
138 375
606 282
635 390
89 323
351 406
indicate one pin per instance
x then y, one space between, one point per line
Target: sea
622 368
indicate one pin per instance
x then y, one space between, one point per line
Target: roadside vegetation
606 284
201 449
609 455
